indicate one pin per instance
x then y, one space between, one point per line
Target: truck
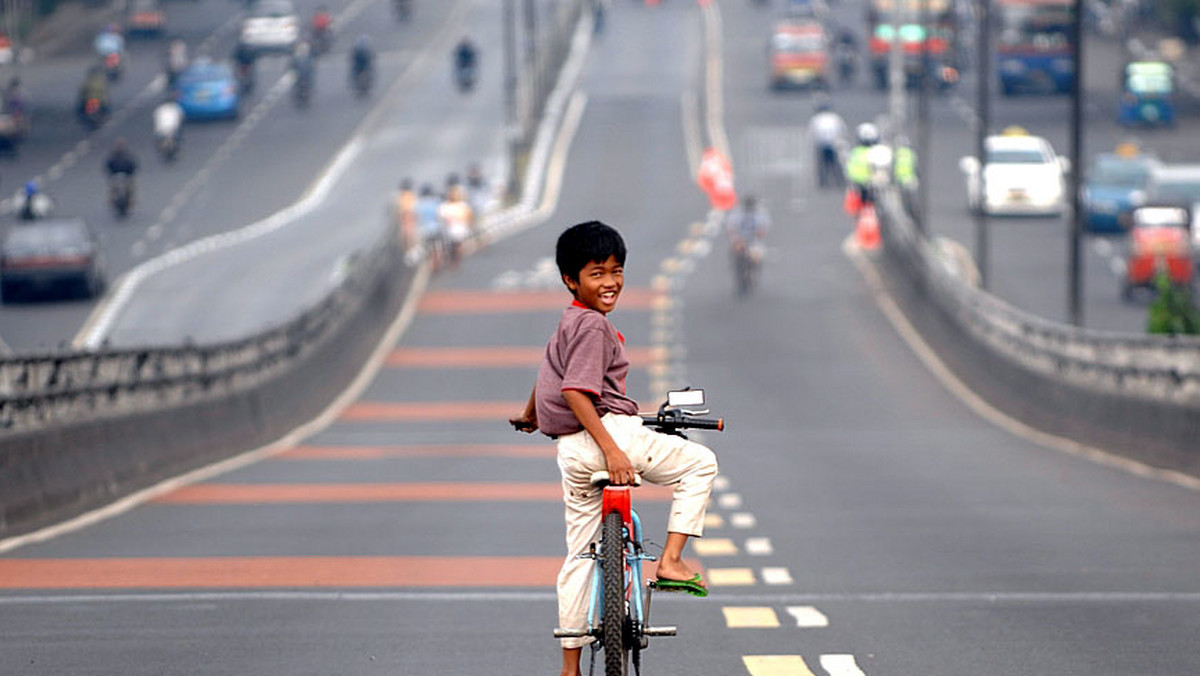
928 31
1035 46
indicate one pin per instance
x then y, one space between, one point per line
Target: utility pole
923 126
984 79
531 68
1075 257
511 129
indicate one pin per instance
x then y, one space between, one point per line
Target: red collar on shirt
575 303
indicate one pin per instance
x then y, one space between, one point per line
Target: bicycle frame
617 498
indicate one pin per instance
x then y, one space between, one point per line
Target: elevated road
866 521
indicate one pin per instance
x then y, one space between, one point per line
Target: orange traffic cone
851 203
866 231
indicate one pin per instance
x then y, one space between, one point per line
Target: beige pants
661 459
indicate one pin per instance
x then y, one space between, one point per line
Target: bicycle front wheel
612 562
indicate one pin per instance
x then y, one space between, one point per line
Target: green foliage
1175 15
1173 312
45 7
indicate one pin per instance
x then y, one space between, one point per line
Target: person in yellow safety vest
859 170
904 172
904 166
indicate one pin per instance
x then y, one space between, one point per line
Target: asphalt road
866 522
220 183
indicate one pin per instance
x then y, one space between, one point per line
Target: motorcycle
244 74
302 88
847 63
747 258
93 112
361 80
113 66
167 145
464 77
322 40
120 194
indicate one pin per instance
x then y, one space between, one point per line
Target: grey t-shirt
586 353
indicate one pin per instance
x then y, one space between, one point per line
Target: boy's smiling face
599 284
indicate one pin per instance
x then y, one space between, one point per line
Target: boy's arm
620 470
527 421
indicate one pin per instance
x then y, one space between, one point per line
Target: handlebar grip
705 423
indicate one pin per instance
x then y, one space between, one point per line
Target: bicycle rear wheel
612 562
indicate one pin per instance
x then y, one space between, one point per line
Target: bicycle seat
600 479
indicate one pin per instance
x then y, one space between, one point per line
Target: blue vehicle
1112 182
1148 88
208 90
1034 53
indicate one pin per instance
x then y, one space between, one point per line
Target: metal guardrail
41 391
1159 368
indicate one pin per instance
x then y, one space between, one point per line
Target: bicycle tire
612 564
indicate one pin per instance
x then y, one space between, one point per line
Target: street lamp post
983 77
1075 257
511 129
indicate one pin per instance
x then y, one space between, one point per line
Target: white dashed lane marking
759 547
777 576
743 520
808 617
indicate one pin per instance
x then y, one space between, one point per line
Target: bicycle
619 604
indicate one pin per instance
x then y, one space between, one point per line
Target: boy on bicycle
579 400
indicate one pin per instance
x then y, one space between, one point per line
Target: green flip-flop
691 586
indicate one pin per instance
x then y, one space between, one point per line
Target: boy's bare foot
677 571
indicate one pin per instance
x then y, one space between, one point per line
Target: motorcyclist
466 58
302 61
746 225
32 203
362 58
243 61
94 87
109 41
321 29
827 131
120 159
177 60
168 121
303 66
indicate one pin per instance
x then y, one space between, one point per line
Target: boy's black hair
585 243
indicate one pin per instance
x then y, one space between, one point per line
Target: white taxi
1022 176
270 25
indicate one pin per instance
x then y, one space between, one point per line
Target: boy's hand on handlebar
620 470
523 424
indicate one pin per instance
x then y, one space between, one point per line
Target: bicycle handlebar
672 423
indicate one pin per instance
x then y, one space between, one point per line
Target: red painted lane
304 572
507 302
287 571
495 357
214 493
546 450
443 411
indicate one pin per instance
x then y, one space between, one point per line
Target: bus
933 43
1034 49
